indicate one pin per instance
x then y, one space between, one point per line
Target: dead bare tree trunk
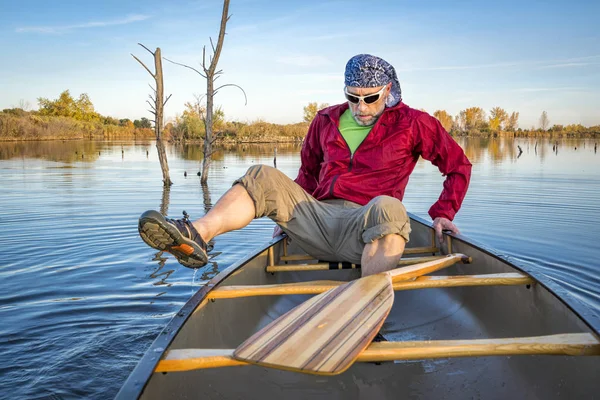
210 93
157 111
211 74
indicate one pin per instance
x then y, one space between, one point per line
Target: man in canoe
346 202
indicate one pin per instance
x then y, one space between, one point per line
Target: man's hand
277 231
441 224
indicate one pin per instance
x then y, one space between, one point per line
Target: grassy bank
16 125
31 126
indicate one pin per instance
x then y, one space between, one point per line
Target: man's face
367 114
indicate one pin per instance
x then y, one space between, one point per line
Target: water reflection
206 197
500 150
477 149
66 151
164 202
159 273
212 268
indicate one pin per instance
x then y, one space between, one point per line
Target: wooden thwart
323 266
410 250
422 282
572 344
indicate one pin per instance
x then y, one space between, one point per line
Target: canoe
488 329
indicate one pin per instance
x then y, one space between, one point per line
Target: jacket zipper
335 178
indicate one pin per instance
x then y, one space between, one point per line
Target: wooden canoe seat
570 344
323 265
411 250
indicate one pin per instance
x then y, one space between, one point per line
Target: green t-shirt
352 133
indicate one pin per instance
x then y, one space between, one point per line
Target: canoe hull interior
425 314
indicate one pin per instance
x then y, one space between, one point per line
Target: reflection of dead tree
210 273
207 206
211 74
520 151
162 275
206 197
157 110
164 203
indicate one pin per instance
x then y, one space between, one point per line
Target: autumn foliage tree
513 122
80 109
498 119
472 119
311 110
544 121
444 118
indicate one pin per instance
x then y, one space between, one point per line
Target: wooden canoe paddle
325 334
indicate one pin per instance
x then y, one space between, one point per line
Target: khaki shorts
332 230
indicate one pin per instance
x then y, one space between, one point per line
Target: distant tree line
474 121
67 117
189 125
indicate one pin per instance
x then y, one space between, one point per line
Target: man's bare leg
234 210
382 254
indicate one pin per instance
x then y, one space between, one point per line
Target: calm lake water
82 297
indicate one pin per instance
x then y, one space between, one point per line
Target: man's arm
311 157
434 144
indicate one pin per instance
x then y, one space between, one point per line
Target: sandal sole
157 233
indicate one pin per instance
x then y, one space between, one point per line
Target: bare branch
153 113
154 90
204 58
151 52
151 105
211 44
187 66
167 99
217 51
143 65
237 86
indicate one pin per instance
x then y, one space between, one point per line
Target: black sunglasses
368 99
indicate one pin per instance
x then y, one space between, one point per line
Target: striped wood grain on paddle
325 334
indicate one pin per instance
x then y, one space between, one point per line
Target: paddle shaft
414 271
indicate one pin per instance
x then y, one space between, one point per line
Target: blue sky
525 56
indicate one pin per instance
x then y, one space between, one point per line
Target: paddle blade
325 334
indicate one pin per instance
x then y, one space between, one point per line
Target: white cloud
92 24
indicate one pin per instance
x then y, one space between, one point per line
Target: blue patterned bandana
365 70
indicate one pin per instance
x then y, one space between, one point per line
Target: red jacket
383 162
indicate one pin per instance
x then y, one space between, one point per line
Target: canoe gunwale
140 376
585 314
132 388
